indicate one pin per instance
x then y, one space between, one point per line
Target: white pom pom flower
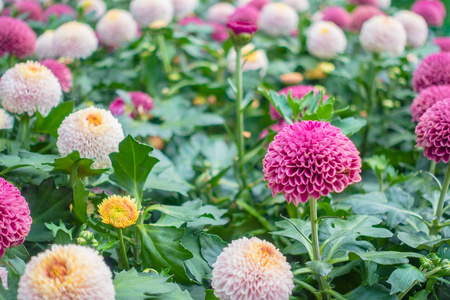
252 269
252 59
325 40
74 40
383 34
146 12
115 27
98 7
6 120
416 28
183 8
93 132
29 86
298 5
220 12
278 19
44 45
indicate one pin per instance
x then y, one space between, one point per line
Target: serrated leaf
75 164
61 234
132 165
162 249
320 267
401 279
384 257
50 124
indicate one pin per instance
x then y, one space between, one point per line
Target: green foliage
50 123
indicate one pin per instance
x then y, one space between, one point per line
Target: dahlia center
280 6
324 30
118 212
94 119
57 270
251 57
86 4
113 15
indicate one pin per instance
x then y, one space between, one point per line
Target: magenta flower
191 20
364 2
433 11
32 8
338 15
15 220
142 102
220 33
427 98
361 14
58 10
310 159
16 37
297 92
433 132
246 14
443 43
61 71
432 70
240 27
258 4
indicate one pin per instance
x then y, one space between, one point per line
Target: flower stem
239 117
440 208
122 249
23 136
323 284
163 54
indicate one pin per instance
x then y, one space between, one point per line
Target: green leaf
48 204
189 211
50 124
62 235
291 232
132 165
279 102
422 295
384 257
210 295
374 292
211 246
196 265
80 196
74 164
420 240
401 279
162 249
131 285
349 126
320 267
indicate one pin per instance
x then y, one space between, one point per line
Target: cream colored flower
183 8
44 45
415 26
115 27
252 59
98 7
298 5
74 40
383 34
325 40
145 12
278 19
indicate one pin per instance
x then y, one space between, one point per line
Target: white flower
298 5
94 132
44 45
383 34
116 26
220 12
416 28
1 5
96 6
6 120
182 8
278 19
28 86
146 12
325 40
74 40
252 59
384 4
4 275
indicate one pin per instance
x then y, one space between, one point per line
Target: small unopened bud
87 235
94 243
81 241
426 263
434 258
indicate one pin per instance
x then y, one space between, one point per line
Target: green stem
163 53
239 116
432 167
122 249
336 295
323 284
371 93
23 135
309 288
440 208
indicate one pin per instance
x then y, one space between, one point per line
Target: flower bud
86 235
426 263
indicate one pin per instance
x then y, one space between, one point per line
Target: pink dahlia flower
310 159
432 70
142 102
443 43
252 269
433 11
338 15
30 7
246 14
220 33
361 14
433 132
240 27
258 4
15 220
16 38
364 2
427 98
297 92
58 10
61 71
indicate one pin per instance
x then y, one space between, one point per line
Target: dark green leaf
384 257
80 196
51 123
62 235
74 164
403 277
211 246
288 230
374 292
320 267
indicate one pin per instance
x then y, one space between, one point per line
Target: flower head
6 120
443 43
15 220
67 272
433 11
29 86
93 132
361 14
61 71
298 5
246 14
1 5
182 8
220 12
252 269
258 4
58 10
74 40
115 27
242 27
415 27
32 8
252 59
325 40
363 2
220 33
278 19
310 159
120 212
433 132
142 103
97 7
427 98
44 45
338 15
383 34
432 70
4 277
16 37
146 12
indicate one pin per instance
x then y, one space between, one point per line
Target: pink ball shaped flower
245 14
443 43
241 27
310 159
61 71
258 4
30 7
363 2
142 102
427 98
433 132
220 12
16 38
15 220
220 33
433 11
252 269
432 70
58 10
338 15
278 19
361 14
